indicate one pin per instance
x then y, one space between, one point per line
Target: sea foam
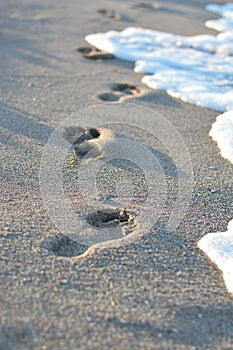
222 133
199 70
219 248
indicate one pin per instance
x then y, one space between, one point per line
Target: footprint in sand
147 5
85 140
92 143
114 189
120 92
95 54
110 14
61 245
113 218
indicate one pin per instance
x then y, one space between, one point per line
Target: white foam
175 63
137 43
219 248
222 133
223 10
198 70
223 24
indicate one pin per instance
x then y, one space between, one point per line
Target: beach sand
161 291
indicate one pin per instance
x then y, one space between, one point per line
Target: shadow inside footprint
126 88
77 135
115 218
108 96
94 54
120 92
61 245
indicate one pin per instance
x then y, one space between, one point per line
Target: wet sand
160 292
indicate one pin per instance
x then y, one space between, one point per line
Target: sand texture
157 292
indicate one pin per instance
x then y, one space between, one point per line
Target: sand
159 292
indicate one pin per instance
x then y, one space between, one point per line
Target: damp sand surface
159 292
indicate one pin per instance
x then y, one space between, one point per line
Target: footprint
61 245
94 54
108 96
120 92
98 228
114 218
84 140
77 135
110 14
128 89
146 5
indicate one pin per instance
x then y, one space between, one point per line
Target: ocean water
199 70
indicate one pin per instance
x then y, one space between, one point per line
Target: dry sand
160 292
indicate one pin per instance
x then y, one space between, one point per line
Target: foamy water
222 133
219 248
199 70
